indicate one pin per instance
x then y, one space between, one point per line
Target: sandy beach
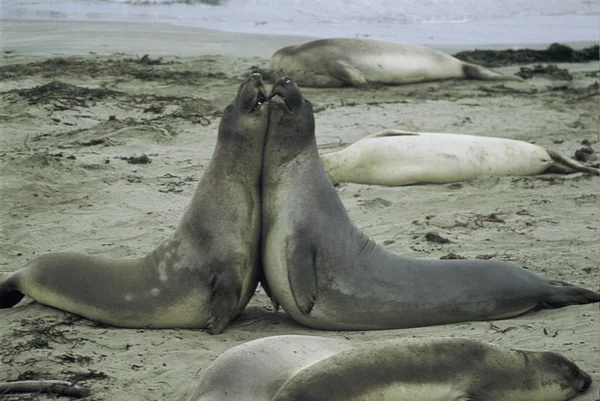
81 105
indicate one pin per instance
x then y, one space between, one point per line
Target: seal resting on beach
396 158
327 274
309 368
201 277
357 62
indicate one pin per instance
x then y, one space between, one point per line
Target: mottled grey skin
201 277
311 368
434 370
255 370
327 274
339 62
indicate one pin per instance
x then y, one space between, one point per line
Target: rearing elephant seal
201 277
307 368
328 274
356 62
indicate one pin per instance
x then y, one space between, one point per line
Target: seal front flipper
302 270
225 290
346 72
9 294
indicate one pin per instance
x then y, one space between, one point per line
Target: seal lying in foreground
306 368
327 274
356 62
201 277
396 158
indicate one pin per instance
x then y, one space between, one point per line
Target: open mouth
259 100
279 93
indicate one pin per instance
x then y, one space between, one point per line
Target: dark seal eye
229 108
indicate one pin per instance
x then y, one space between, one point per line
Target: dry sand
67 123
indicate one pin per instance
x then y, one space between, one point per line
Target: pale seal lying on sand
201 277
327 274
306 368
356 62
396 158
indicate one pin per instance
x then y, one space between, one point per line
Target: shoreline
36 37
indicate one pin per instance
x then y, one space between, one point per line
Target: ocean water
417 21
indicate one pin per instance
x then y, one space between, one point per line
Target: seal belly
275 260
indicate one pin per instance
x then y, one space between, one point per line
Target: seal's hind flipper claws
225 296
565 165
566 294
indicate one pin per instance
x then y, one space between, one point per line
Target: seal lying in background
396 158
356 62
303 368
327 274
201 277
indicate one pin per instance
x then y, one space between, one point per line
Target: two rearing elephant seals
201 277
327 274
357 62
307 368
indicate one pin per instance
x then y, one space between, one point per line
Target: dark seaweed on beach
66 93
555 53
549 71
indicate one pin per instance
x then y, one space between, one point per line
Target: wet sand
75 125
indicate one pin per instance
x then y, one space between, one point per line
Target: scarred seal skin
201 277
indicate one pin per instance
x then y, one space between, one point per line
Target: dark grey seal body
309 368
358 61
201 277
327 274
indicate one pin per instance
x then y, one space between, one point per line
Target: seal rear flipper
566 294
302 270
478 72
9 295
224 299
564 165
347 73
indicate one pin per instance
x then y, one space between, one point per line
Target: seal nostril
587 383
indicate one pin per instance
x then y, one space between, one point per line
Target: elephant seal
396 158
201 277
309 368
327 274
356 62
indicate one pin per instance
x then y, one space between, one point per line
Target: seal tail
564 165
9 294
566 294
485 74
